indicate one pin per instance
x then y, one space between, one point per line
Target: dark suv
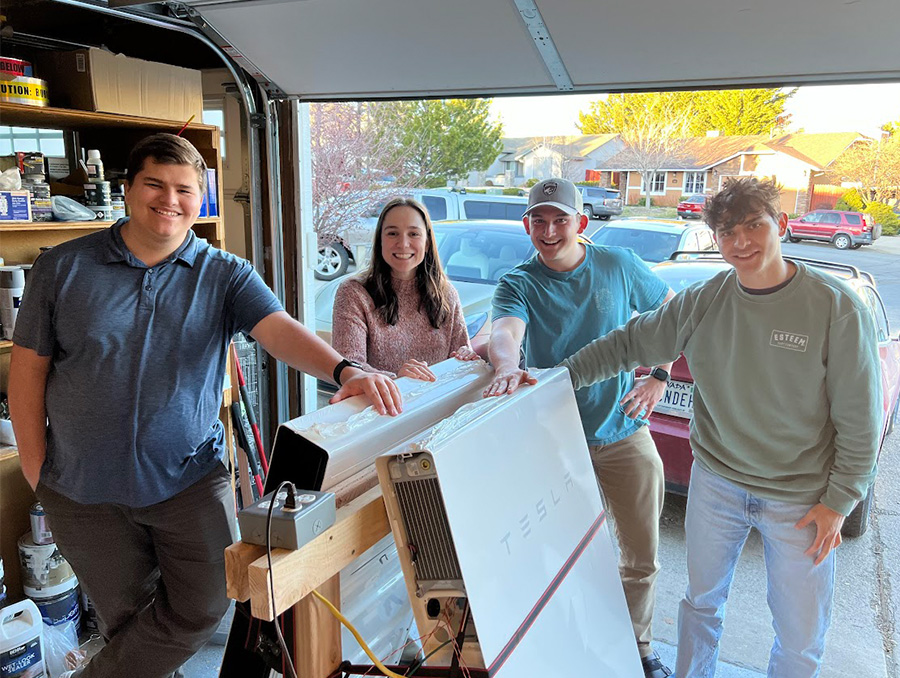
843 229
601 203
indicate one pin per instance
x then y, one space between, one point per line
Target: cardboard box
15 206
96 80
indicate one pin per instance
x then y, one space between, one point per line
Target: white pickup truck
335 255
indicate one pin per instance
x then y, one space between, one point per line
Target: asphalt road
864 640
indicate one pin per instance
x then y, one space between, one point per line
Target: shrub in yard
530 182
794 215
587 183
884 215
511 191
851 201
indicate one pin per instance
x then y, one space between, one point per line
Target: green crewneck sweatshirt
787 385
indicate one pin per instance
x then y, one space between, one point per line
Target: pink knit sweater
360 334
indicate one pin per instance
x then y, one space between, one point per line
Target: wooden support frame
360 523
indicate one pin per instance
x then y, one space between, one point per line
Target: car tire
856 247
604 217
787 236
588 212
857 522
332 262
842 241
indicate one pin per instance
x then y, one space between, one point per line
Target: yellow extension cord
337 613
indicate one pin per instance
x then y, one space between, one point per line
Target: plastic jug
21 641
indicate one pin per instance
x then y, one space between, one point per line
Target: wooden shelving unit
20 242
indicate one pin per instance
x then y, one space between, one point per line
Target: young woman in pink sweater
401 314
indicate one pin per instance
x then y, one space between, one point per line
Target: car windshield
653 246
697 198
481 255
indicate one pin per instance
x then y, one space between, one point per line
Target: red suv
670 421
843 229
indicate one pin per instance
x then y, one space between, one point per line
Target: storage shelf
20 115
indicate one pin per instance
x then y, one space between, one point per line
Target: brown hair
166 149
741 198
431 281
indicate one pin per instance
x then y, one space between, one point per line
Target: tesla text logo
538 511
789 340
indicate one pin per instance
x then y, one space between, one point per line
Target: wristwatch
659 373
340 368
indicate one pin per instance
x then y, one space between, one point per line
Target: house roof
571 146
817 150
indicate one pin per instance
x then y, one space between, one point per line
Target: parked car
442 205
843 229
601 202
670 421
692 208
654 241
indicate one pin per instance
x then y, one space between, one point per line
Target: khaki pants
630 473
156 574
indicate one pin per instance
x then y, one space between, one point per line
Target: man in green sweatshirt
787 413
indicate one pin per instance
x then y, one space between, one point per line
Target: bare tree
653 143
351 167
562 163
874 165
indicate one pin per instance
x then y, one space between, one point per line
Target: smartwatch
340 368
659 373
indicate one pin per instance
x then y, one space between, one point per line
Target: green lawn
652 212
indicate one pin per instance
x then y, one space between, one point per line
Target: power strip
291 527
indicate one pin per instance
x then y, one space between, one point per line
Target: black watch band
659 373
340 368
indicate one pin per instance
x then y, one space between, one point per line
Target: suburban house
526 158
799 162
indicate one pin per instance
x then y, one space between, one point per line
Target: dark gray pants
156 575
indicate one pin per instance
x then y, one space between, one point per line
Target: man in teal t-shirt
787 418
565 296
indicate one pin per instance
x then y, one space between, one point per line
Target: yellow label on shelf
22 90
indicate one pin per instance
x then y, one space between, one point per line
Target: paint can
58 604
22 90
40 533
15 67
12 287
21 641
43 568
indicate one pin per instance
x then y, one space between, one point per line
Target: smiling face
165 201
753 247
404 241
555 236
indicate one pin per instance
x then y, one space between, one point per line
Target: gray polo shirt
138 362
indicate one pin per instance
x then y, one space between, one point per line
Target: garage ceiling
362 49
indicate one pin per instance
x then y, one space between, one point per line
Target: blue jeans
719 517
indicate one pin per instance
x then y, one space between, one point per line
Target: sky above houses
826 108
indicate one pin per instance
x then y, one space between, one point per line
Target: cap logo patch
550 187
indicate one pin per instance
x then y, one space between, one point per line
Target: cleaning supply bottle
21 641
94 167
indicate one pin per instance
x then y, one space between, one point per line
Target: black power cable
291 490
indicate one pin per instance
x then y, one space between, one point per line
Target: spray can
94 166
40 533
12 285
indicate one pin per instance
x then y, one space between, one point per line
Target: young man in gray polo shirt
114 388
787 415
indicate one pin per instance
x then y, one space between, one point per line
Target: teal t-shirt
565 311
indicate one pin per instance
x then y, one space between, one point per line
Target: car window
830 218
436 206
701 199
853 219
479 255
881 321
690 242
811 218
652 246
704 237
484 209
